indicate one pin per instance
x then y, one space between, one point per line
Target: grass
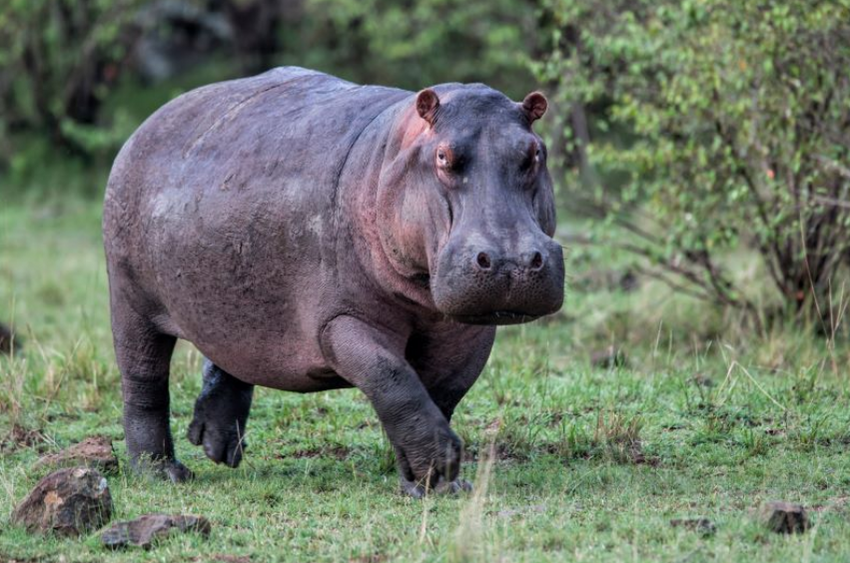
570 462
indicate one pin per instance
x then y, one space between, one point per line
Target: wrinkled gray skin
306 233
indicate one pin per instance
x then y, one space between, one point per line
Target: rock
94 451
608 358
68 502
784 517
145 530
702 526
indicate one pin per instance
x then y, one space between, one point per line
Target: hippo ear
427 103
534 106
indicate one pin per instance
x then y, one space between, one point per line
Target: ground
571 462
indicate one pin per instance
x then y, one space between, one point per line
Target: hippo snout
480 283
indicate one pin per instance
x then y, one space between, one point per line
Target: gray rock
784 517
145 530
68 502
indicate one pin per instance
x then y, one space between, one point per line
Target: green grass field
570 462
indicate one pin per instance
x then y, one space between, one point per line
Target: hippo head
472 213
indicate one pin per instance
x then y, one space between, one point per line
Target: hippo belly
243 282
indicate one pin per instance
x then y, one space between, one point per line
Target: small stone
784 517
145 530
702 526
68 502
94 451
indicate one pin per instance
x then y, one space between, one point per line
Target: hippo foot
221 412
222 442
169 469
417 489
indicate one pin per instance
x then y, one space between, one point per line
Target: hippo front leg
428 452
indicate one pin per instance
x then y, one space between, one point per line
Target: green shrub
58 61
738 123
416 44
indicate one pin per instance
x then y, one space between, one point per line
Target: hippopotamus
306 233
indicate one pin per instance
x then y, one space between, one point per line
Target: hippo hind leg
221 413
143 355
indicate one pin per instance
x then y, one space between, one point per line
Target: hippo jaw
495 318
498 286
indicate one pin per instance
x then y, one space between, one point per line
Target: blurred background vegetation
703 144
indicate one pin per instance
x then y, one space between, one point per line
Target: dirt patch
374 558
637 457
223 557
231 558
146 530
832 504
511 512
19 437
339 452
702 526
623 451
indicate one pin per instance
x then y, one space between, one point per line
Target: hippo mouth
496 318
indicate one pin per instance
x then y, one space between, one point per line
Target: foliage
58 61
417 43
741 125
63 62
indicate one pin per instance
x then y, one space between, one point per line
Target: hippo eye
449 162
537 155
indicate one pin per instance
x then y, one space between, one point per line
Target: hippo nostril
483 261
536 261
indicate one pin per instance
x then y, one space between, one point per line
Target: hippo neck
362 185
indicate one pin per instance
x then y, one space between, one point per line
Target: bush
416 44
738 123
58 60
61 60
